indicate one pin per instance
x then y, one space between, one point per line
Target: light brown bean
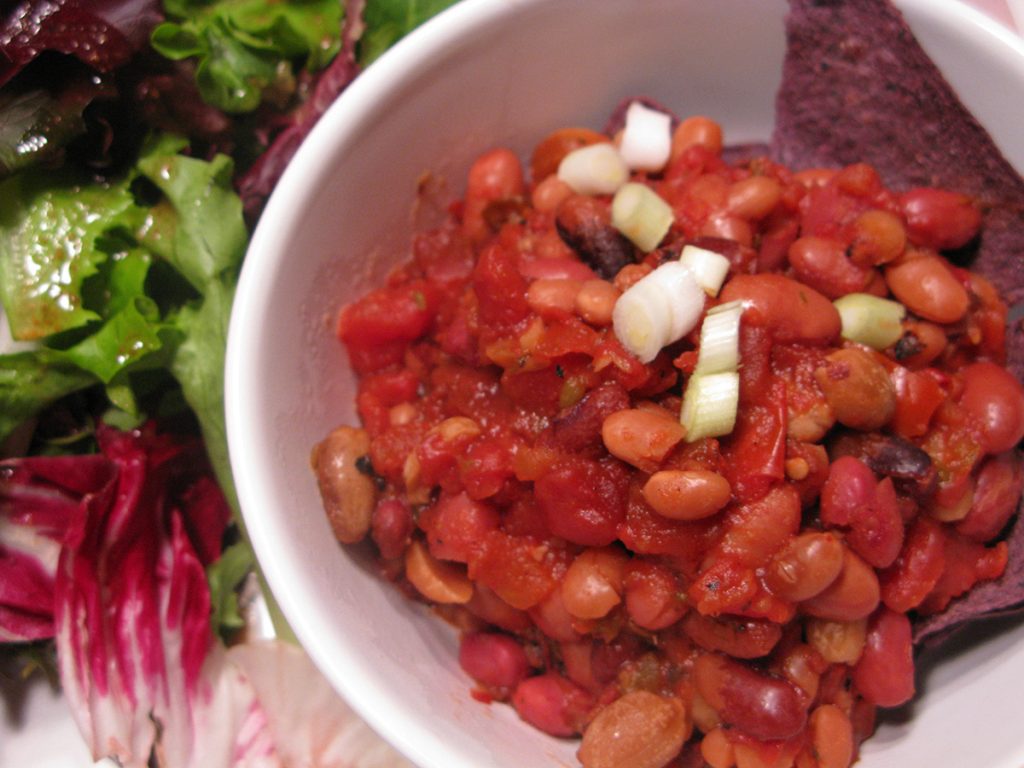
434 579
717 750
929 289
878 237
640 729
690 494
553 296
853 595
807 565
832 737
348 495
793 311
728 227
641 438
696 131
857 388
549 194
595 302
921 344
593 583
754 197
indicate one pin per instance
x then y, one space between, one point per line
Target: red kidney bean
940 219
822 263
552 704
584 223
996 493
793 311
583 501
994 399
578 430
909 580
761 706
884 674
390 527
853 499
495 661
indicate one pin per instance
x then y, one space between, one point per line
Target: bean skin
595 302
584 224
939 218
832 737
435 579
348 495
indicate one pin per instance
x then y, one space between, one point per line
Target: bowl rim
304 173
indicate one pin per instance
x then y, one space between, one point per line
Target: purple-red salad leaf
104 34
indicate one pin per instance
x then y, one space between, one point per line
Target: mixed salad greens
139 140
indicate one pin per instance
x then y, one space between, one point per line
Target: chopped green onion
597 169
710 403
642 216
657 310
720 339
870 320
646 139
710 268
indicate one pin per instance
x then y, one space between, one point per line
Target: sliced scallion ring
710 403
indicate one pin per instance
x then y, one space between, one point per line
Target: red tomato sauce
746 599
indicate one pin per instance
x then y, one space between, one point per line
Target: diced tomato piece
584 500
456 526
500 290
967 563
918 396
521 570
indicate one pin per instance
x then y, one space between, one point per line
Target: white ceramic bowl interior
506 72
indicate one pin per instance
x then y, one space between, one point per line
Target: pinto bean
928 288
687 494
754 197
857 388
805 566
595 302
878 237
348 494
853 595
791 310
641 438
435 579
593 584
696 131
832 737
640 729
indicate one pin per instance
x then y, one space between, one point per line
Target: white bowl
504 72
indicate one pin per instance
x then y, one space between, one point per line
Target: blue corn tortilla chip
857 87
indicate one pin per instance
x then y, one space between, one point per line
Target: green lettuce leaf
389 20
246 49
49 224
31 381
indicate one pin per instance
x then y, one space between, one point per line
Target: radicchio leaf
104 34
